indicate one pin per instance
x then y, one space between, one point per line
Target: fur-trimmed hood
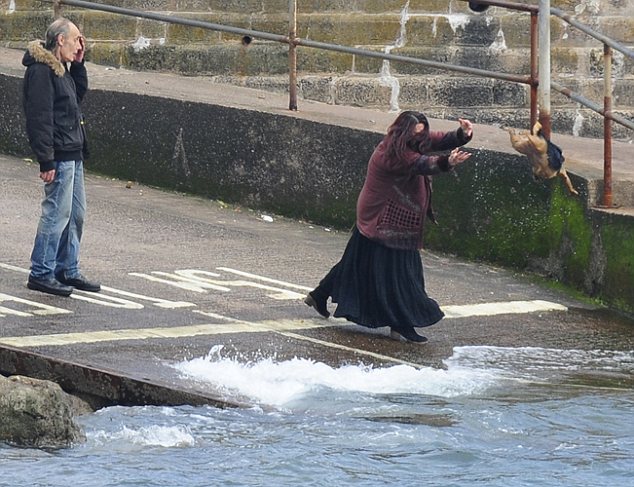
36 53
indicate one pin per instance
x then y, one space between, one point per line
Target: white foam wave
164 436
470 371
279 383
531 361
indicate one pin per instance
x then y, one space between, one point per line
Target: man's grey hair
59 26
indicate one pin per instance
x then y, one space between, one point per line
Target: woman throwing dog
379 280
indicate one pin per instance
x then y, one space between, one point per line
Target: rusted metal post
534 72
607 126
544 66
292 55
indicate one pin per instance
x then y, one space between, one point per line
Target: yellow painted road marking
33 307
236 326
196 280
281 327
265 279
348 349
240 326
503 308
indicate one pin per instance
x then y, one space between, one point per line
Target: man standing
54 124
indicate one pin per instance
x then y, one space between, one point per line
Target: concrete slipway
183 273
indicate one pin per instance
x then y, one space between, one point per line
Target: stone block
517 31
268 83
275 24
413 92
317 61
221 59
507 94
351 30
318 88
435 6
359 6
193 5
570 37
145 5
444 56
434 30
21 5
246 7
478 31
623 92
275 6
151 29
516 61
101 25
559 100
622 66
106 53
461 92
25 26
371 65
565 61
361 92
441 55
185 34
489 60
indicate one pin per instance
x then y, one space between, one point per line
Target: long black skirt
374 286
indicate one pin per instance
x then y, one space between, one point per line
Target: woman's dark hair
59 26
400 133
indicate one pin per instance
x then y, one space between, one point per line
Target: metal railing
608 116
538 79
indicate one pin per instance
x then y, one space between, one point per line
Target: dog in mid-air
546 158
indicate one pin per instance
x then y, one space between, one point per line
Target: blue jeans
56 247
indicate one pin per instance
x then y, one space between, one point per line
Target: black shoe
49 286
408 335
318 304
80 282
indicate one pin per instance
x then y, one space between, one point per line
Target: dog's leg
564 175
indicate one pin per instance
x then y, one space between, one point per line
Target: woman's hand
458 156
466 126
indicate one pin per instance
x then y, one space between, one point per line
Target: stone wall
440 30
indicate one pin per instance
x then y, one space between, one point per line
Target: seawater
492 417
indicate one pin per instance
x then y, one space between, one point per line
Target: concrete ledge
101 388
241 145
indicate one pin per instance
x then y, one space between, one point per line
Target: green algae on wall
617 237
570 234
491 209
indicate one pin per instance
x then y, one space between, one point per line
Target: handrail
592 105
532 79
606 111
592 33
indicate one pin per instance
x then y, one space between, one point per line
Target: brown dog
545 157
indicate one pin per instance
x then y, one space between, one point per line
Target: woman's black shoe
318 304
408 335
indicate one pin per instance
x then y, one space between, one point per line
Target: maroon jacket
396 195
